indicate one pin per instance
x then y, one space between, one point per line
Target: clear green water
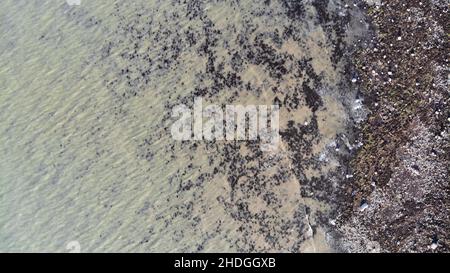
85 100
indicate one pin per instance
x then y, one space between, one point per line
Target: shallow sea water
85 115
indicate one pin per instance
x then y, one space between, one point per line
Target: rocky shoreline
399 190
86 110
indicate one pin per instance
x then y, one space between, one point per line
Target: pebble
363 207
